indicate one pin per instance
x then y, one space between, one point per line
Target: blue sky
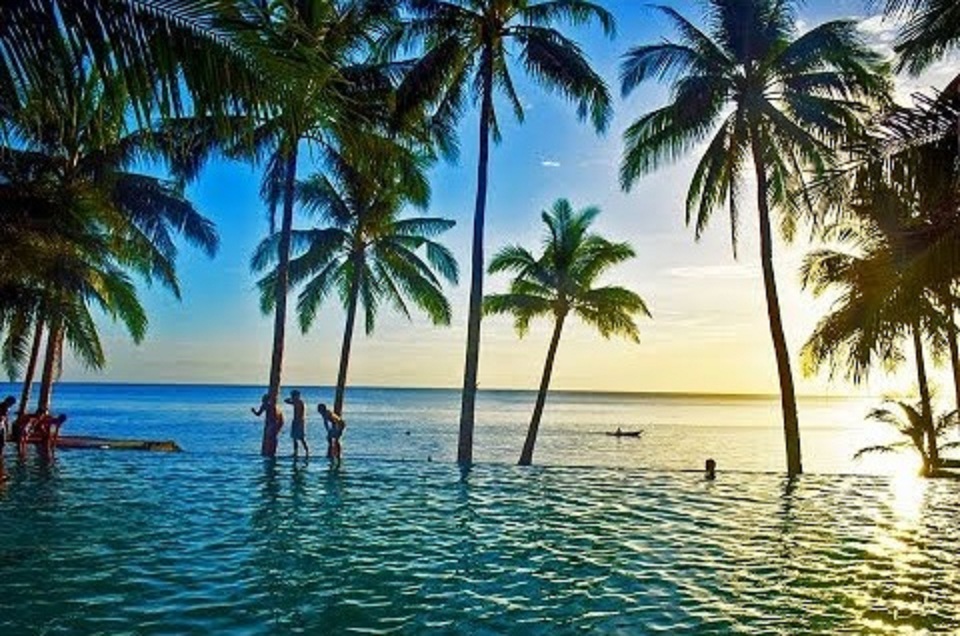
709 329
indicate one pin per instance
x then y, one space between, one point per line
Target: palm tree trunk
31 368
788 400
472 364
926 410
526 457
352 303
269 447
954 351
54 342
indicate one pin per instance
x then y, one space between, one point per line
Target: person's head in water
711 468
322 407
295 394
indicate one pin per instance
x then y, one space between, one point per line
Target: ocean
603 535
742 433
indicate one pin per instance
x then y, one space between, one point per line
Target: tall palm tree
365 251
912 426
468 48
768 100
561 281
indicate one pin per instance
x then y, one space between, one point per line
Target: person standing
334 426
5 407
268 446
298 430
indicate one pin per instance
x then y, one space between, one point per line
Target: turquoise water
216 540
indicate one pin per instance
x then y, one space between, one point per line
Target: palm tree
365 252
80 221
880 269
773 101
912 425
468 48
561 281
331 93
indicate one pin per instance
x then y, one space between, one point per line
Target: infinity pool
126 542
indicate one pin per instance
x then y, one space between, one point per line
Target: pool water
127 542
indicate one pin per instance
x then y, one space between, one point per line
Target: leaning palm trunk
269 447
352 303
31 368
788 400
54 344
926 410
954 351
526 457
471 366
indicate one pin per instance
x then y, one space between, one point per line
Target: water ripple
191 545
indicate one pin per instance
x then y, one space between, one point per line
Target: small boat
620 433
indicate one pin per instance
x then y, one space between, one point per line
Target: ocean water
603 536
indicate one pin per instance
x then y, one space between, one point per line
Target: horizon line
679 393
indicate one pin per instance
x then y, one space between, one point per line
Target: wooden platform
105 443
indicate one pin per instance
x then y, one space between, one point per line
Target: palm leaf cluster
910 422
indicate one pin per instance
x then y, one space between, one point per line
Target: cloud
880 33
548 163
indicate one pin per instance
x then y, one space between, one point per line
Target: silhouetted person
298 430
5 406
710 469
268 447
334 425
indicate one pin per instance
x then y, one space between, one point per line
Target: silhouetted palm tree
469 48
562 281
365 252
912 426
773 101
879 267
79 221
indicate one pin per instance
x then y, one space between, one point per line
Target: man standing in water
298 430
334 425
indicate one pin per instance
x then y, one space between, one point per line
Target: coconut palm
911 424
365 252
563 281
332 93
468 48
80 222
880 268
765 99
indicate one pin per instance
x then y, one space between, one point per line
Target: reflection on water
184 544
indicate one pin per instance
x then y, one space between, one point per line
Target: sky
709 329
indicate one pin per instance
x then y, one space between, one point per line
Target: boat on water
622 433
